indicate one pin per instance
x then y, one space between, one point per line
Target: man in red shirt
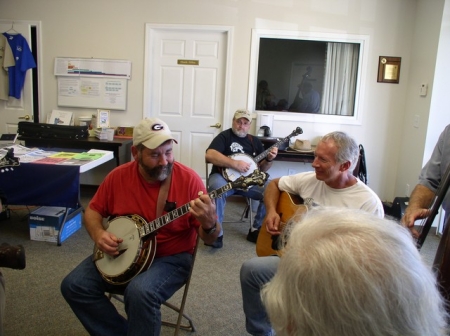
133 189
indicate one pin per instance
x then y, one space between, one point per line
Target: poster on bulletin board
92 83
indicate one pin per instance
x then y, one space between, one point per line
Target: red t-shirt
125 192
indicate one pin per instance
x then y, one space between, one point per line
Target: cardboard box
45 223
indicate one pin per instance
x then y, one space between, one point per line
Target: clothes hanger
12 31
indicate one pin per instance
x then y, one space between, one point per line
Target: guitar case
50 131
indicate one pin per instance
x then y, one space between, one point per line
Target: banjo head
232 175
134 250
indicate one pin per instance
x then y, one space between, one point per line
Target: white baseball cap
152 133
243 114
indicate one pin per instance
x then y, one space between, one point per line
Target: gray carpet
36 307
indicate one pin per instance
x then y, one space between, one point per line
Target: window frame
362 40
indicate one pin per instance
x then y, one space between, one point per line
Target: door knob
217 125
26 117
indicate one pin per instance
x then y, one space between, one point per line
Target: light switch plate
423 89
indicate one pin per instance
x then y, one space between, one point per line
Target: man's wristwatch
210 230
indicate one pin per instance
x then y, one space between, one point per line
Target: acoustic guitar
288 205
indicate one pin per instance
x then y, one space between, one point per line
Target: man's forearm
271 195
218 159
265 165
93 222
421 197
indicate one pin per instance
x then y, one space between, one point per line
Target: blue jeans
255 273
217 181
84 290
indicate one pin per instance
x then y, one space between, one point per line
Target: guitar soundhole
275 242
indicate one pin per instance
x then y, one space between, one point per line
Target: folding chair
361 167
189 325
247 213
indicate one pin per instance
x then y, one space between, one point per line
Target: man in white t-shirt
331 184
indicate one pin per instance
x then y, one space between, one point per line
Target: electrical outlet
407 190
292 172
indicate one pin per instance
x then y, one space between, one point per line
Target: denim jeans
84 290
217 181
255 273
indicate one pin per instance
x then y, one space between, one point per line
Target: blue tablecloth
42 184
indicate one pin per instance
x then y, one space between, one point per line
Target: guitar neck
169 217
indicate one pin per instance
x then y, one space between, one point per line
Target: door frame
150 31
39 61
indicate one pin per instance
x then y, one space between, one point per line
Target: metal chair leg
188 327
247 213
180 310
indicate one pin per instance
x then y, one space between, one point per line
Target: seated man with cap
150 186
237 140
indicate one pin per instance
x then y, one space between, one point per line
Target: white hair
347 272
348 149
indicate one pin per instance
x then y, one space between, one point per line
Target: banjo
231 174
138 248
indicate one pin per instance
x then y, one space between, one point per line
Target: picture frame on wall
389 69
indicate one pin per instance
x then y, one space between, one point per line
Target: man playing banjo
231 152
135 188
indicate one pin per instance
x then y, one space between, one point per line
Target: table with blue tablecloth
46 184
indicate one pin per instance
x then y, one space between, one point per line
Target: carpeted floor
36 307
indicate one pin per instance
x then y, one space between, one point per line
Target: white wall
405 28
439 109
422 70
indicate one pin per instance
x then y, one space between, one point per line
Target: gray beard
241 134
159 173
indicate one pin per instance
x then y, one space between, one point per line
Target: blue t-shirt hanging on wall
24 61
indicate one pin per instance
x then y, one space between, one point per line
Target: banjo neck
261 156
148 228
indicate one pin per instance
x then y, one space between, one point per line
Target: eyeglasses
242 123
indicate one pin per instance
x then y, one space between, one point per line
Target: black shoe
252 235
12 256
218 243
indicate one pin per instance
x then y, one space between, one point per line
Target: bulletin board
92 83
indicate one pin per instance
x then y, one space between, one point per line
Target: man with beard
135 188
331 184
236 140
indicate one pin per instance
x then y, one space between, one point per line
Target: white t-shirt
358 196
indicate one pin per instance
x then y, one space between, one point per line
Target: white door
15 110
185 85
